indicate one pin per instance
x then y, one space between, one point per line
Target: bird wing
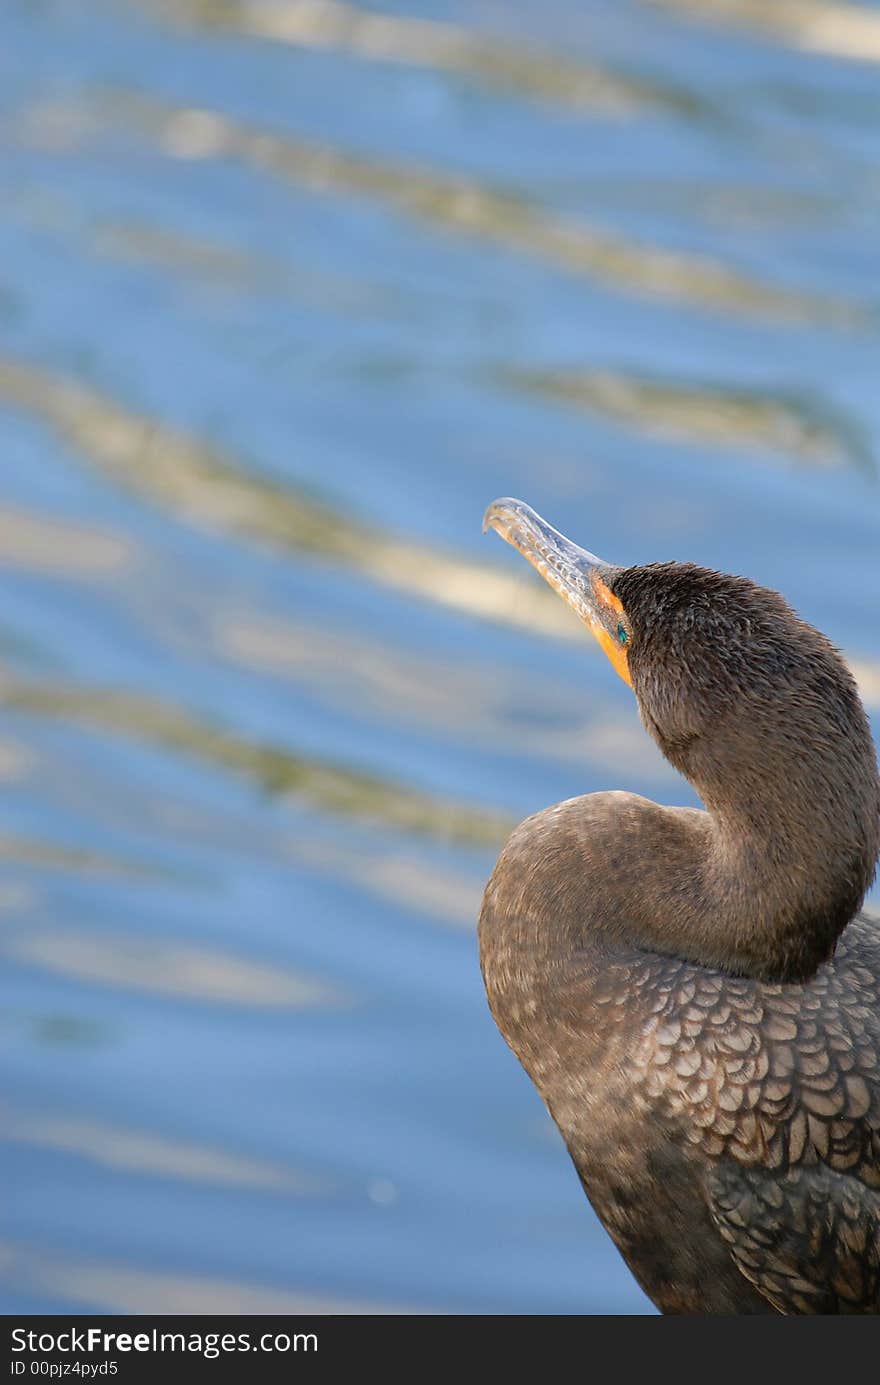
808 1239
779 1086
796 1195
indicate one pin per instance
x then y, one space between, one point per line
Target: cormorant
695 993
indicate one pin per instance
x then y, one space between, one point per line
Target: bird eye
622 633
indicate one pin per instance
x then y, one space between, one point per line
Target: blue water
288 293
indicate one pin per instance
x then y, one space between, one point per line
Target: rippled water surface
288 292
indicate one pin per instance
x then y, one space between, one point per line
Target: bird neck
761 883
783 864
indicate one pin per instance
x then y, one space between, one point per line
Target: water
288 293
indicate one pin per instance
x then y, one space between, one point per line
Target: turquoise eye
622 634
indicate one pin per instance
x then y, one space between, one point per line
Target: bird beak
571 571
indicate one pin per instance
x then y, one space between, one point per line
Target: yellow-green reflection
447 895
122 1288
717 415
191 255
465 698
15 760
472 701
185 253
474 209
867 674
198 483
333 788
818 26
65 1031
440 46
46 855
197 260
451 203
162 968
39 543
141 1152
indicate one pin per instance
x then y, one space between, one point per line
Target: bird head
727 677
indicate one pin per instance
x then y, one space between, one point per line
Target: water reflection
411 882
37 542
51 856
166 969
867 674
490 59
333 788
470 701
820 26
504 218
143 1152
120 1288
197 482
14 760
186 255
63 1031
193 258
722 416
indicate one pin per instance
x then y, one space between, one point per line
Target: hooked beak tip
499 510
488 516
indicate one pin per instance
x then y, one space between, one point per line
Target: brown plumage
694 993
